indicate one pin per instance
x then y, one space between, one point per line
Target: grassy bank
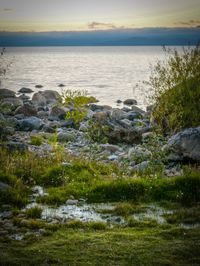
129 246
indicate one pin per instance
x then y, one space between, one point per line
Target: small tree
176 84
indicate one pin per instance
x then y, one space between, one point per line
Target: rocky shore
123 135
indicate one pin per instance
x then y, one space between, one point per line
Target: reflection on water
108 73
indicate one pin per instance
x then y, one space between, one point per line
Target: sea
108 73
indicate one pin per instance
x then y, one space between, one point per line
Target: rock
61 85
8 130
84 126
133 115
5 93
51 96
147 135
100 117
142 166
42 114
25 98
99 108
120 135
6 214
174 170
137 109
125 123
118 101
13 103
139 153
4 186
71 202
130 102
13 146
66 136
117 114
25 90
110 147
29 124
68 124
38 86
38 99
150 108
27 110
49 129
58 113
185 145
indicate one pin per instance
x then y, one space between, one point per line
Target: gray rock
38 99
6 214
125 123
117 114
120 134
110 147
27 110
61 85
130 102
4 186
84 126
58 113
113 157
29 124
137 109
13 103
5 93
71 202
133 115
139 153
51 96
119 101
38 86
98 108
25 90
13 146
42 114
66 136
142 166
25 98
49 129
185 145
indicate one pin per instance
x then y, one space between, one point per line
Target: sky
91 15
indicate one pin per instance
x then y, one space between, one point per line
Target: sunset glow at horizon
87 15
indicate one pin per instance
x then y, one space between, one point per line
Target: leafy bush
176 85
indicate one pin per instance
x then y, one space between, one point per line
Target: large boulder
29 124
139 154
117 114
5 93
65 136
58 113
38 99
25 90
119 135
12 103
51 96
130 102
185 145
27 110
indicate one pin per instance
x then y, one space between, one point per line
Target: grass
147 246
36 140
34 212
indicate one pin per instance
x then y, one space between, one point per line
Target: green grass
34 212
147 246
36 140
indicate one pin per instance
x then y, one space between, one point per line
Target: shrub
34 212
36 140
176 85
123 209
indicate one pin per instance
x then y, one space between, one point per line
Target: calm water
108 73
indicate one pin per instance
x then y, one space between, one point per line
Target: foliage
34 212
36 140
176 85
77 100
97 132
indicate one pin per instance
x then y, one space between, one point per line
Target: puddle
153 212
82 212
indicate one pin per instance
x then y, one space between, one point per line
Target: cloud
98 25
190 23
